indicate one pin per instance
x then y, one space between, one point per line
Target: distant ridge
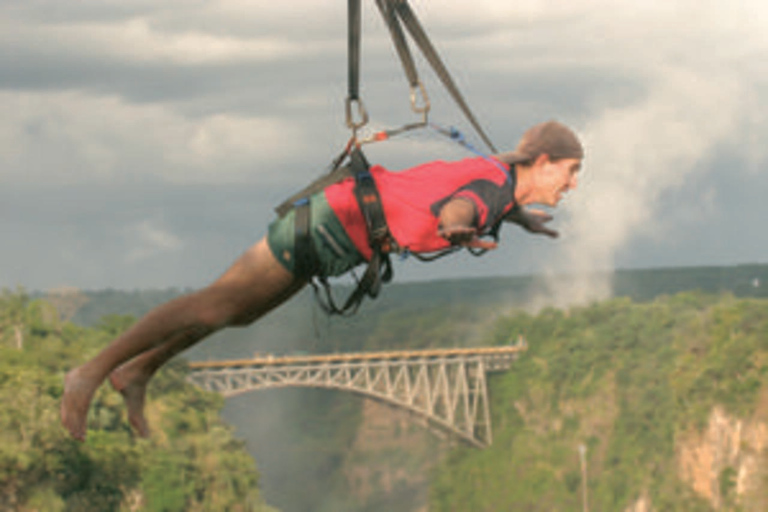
747 280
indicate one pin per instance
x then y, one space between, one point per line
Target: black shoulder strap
337 174
370 203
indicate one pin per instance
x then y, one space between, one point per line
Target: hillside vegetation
646 383
632 383
192 463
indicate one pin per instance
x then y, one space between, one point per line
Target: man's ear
541 160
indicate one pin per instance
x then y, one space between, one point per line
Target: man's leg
131 378
255 284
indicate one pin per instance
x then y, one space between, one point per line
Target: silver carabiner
420 92
361 113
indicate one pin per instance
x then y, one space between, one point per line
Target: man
427 208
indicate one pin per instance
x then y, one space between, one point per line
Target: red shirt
412 200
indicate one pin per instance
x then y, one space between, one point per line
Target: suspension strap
420 37
394 12
359 119
398 38
406 59
353 48
458 137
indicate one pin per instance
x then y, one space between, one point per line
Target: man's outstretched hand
532 221
465 236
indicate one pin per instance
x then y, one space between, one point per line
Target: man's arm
458 224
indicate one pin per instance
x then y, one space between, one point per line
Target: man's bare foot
78 393
134 392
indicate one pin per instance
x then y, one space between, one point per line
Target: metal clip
361 113
420 92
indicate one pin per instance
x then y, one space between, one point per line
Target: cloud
103 137
242 101
147 239
138 40
635 154
692 94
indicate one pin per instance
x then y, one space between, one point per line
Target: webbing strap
420 37
370 203
369 284
353 53
379 237
353 44
336 173
379 269
391 10
398 37
304 262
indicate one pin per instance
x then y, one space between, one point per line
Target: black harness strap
335 176
379 268
304 263
370 203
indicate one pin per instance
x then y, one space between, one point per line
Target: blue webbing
455 135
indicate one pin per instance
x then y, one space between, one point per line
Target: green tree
194 463
13 317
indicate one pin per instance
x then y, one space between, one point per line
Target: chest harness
352 162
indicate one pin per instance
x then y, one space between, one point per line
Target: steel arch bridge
447 387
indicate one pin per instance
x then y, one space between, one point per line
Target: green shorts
334 251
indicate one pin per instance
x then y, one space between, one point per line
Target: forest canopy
192 462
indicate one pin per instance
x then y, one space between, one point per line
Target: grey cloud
701 224
97 142
83 235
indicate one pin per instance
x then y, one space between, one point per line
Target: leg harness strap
305 263
379 268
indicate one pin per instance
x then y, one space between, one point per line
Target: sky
144 144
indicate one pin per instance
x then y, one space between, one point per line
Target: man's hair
551 138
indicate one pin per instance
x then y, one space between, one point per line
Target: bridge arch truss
447 388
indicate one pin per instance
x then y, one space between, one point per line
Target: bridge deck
488 353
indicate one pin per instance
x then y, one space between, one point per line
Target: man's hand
457 217
465 236
532 221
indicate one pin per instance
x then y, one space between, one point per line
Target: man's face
555 179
